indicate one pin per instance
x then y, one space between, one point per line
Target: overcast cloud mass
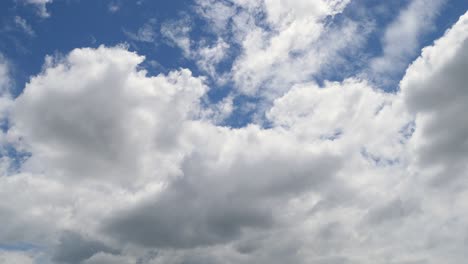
235 131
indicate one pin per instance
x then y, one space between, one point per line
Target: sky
233 131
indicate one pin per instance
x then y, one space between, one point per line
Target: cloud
129 168
5 80
41 6
189 156
251 181
114 6
103 258
402 38
395 209
207 53
74 248
8 159
146 33
276 43
24 26
350 115
144 113
258 173
434 88
218 13
177 33
281 43
15 257
208 56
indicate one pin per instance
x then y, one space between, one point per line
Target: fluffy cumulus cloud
103 162
136 119
434 89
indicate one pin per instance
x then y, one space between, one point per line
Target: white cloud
435 89
6 103
402 38
144 112
208 57
41 6
281 42
24 26
146 33
218 112
206 54
5 80
350 115
132 158
177 33
114 6
218 13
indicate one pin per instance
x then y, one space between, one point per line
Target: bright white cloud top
119 166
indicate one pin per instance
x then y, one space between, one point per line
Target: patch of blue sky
4 124
75 24
15 157
21 246
377 160
244 112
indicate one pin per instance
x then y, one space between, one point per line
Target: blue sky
233 131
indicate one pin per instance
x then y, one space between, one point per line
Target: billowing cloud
253 171
435 89
74 248
140 115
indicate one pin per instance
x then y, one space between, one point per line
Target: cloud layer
104 163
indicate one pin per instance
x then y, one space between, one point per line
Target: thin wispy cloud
40 5
23 25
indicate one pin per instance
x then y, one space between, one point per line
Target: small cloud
114 7
402 39
146 33
93 39
41 6
177 33
23 25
